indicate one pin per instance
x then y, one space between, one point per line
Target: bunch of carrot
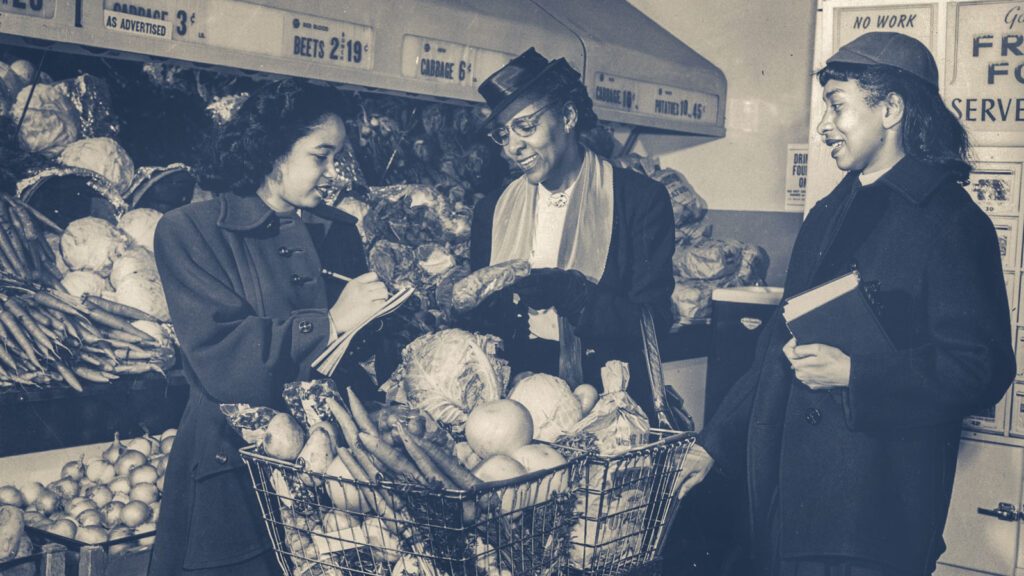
24 252
415 459
48 336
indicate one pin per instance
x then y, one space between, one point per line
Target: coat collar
242 213
914 179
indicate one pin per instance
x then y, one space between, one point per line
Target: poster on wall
796 177
916 20
995 187
985 65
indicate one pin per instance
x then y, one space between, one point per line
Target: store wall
765 50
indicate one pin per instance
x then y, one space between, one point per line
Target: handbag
668 404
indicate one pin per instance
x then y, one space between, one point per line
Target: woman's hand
695 468
356 301
818 366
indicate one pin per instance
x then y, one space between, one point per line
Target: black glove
567 291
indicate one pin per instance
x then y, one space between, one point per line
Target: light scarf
586 239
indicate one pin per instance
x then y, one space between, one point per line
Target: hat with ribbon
890 49
515 78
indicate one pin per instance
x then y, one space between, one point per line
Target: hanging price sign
36 8
449 62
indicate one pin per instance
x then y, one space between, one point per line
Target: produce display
112 499
392 491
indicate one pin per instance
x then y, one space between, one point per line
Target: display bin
128 556
327 525
626 505
47 560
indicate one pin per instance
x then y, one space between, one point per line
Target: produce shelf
32 420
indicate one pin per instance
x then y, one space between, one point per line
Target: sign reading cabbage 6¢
37 8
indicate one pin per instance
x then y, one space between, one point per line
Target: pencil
327 272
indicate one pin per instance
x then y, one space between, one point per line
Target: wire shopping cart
626 506
323 525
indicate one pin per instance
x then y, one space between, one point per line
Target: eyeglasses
524 126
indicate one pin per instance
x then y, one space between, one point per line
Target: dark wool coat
867 473
638 273
249 306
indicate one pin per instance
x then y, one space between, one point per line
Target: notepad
328 361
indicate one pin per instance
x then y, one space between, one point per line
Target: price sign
334 41
37 8
652 99
449 62
245 27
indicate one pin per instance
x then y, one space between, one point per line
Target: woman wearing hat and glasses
599 239
850 456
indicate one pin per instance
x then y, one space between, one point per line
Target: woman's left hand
818 366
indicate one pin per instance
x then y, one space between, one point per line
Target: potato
12 527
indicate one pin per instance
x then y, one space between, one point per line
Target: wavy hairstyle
245 150
562 88
930 132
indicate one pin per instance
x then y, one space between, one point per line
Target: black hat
890 49
504 86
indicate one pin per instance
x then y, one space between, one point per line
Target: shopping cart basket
626 505
326 525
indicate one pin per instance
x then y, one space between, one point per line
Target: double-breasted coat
638 273
250 308
866 473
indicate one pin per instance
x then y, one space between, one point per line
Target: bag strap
666 413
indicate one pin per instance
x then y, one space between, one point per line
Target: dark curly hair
242 153
930 133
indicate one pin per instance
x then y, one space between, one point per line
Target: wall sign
36 8
917 21
449 62
985 69
796 177
245 27
651 99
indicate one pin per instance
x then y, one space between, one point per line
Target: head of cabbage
553 406
92 243
136 262
140 226
81 282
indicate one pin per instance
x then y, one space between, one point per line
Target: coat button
221 459
305 326
813 416
282 251
298 279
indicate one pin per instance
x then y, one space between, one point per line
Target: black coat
638 273
249 306
867 473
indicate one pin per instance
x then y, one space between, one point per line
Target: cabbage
92 244
50 123
84 282
135 262
448 373
553 406
140 226
143 294
103 156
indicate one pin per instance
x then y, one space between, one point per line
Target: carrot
366 461
348 426
122 336
119 309
40 317
69 376
137 368
7 247
91 375
42 218
360 475
390 457
448 464
19 337
30 326
422 461
5 355
55 303
21 218
360 415
105 318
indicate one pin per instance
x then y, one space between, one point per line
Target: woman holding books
850 444
251 308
